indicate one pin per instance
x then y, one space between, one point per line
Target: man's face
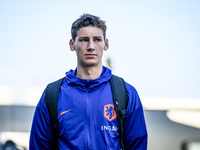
89 45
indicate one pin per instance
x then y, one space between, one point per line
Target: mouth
90 55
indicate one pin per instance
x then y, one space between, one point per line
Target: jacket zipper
87 119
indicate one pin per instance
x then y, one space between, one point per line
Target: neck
89 73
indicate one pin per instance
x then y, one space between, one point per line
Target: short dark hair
88 20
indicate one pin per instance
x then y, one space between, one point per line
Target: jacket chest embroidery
109 112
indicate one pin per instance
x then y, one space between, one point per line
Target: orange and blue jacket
87 119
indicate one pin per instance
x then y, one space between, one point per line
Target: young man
84 97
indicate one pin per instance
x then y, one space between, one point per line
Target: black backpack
120 100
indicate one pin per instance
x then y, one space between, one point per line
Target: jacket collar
85 83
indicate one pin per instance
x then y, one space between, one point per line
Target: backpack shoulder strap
51 99
120 100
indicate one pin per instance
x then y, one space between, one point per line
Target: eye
98 40
83 39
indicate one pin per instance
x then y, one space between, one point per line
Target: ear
71 44
106 46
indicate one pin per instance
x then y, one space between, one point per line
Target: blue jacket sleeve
135 134
41 131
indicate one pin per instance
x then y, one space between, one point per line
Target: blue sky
154 44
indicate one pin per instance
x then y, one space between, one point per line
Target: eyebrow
92 37
97 37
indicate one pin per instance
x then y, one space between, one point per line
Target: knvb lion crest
109 112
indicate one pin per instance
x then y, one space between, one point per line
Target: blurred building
164 134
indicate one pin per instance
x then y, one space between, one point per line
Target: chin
91 63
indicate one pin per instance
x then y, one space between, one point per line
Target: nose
91 45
